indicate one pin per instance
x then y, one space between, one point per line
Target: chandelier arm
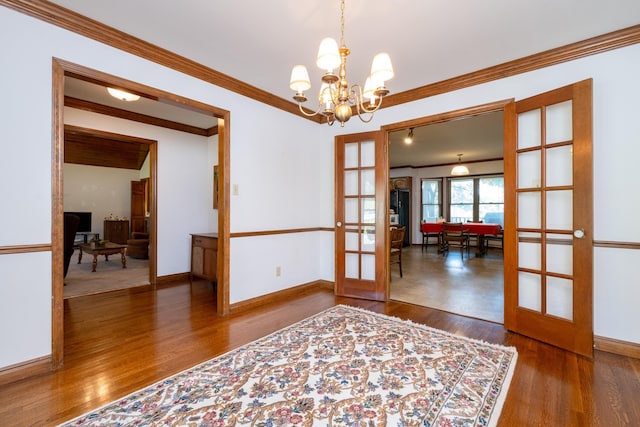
356 90
309 114
371 110
361 113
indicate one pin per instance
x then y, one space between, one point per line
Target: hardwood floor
119 342
473 286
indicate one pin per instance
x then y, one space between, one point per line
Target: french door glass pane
368 182
529 291
529 129
560 210
351 266
559 166
351 155
368 154
350 183
351 210
369 239
368 210
368 267
560 254
351 238
529 210
529 169
530 255
560 297
559 122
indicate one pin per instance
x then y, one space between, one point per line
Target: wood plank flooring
473 286
119 342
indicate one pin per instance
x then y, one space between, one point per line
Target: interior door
549 218
361 216
138 203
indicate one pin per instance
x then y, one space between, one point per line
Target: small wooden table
106 250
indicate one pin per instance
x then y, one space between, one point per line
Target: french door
361 216
549 218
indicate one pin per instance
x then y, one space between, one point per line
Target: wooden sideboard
116 231
204 256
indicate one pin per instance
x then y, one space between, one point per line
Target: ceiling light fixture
336 98
459 169
409 138
122 95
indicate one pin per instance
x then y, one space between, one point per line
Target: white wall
99 190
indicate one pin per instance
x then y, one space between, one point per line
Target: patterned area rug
342 367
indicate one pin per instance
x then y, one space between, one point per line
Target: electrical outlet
278 271
236 190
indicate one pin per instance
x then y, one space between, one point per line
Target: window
431 199
462 196
477 199
491 200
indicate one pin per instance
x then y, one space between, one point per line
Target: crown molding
74 22
570 52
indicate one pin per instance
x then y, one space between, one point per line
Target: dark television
85 220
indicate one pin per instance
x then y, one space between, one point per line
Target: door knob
338 224
579 234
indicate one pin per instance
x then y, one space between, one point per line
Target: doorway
60 70
107 181
449 282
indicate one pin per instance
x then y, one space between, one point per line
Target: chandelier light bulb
299 79
328 55
370 91
381 68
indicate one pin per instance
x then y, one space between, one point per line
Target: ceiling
259 42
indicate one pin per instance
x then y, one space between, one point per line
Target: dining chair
494 238
455 235
426 233
396 235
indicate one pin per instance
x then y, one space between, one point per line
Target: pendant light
459 169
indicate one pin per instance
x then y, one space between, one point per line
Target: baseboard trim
171 278
279 295
622 348
30 368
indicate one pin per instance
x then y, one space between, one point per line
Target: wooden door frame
59 69
363 288
429 120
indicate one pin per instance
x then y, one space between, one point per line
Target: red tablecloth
482 228
431 227
471 227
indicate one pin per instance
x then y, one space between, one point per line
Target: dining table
480 229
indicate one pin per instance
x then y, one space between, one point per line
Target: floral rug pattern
342 367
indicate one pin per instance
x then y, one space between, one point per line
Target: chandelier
336 99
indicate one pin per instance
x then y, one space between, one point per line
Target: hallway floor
471 287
